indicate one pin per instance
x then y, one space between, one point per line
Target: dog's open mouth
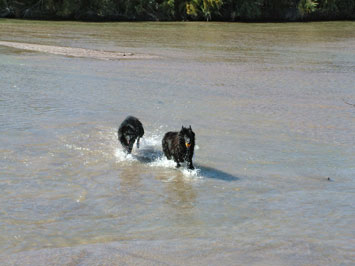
187 145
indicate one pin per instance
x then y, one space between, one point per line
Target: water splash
150 153
163 162
196 173
122 156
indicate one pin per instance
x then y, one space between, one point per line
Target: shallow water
266 102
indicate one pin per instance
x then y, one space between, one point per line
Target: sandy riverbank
75 52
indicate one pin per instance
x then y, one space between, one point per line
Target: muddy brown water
271 108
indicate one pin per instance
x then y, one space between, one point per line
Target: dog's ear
182 127
190 127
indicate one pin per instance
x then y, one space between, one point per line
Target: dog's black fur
180 146
130 130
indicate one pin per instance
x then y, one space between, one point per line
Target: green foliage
328 6
249 9
229 10
203 9
347 8
3 4
67 9
307 6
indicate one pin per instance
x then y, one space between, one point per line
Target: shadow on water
214 173
149 155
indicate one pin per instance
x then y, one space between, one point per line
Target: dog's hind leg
167 154
166 150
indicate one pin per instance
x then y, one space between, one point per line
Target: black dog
180 146
130 129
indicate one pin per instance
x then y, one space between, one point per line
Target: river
272 107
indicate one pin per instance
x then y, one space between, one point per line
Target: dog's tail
138 142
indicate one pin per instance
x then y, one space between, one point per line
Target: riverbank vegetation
179 10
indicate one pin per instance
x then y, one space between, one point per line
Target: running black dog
180 146
130 130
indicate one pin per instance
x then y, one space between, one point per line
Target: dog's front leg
188 158
190 165
130 145
177 161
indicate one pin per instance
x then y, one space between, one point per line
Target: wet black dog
180 146
130 130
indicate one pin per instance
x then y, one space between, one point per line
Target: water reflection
180 193
180 203
129 179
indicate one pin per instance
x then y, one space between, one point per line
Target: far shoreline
107 20
177 21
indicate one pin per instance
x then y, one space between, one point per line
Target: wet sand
75 52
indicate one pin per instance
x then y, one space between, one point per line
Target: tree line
179 10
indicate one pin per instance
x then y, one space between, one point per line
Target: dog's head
188 136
